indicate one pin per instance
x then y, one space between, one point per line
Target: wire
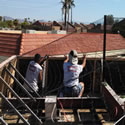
63 109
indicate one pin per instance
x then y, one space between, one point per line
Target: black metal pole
104 49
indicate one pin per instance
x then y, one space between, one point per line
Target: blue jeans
73 91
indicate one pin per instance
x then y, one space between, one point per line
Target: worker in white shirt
72 70
34 73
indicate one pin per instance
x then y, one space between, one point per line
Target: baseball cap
73 57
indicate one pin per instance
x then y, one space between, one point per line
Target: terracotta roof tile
85 42
9 44
33 41
54 44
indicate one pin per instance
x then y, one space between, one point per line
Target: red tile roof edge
47 44
44 48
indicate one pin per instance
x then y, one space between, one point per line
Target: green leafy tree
109 20
9 23
16 22
18 27
3 24
26 21
0 18
25 24
119 28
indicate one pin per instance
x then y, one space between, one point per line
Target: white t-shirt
71 74
32 74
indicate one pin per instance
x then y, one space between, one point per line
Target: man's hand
84 56
46 57
66 58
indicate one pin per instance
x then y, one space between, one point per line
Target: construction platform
100 105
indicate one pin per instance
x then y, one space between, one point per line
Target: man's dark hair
37 57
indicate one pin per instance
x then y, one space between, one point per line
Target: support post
104 49
20 84
22 102
50 108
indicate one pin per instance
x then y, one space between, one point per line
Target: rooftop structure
102 101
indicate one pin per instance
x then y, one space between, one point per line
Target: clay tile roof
30 42
9 44
83 43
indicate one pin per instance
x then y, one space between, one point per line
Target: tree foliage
14 24
109 20
119 28
0 18
66 7
3 25
9 23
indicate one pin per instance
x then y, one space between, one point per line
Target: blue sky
84 11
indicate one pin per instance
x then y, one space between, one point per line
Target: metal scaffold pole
104 49
2 121
21 101
10 104
24 79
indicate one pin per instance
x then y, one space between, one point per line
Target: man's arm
40 79
66 58
40 76
84 61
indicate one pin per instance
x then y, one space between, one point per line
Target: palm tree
68 8
67 5
71 5
64 10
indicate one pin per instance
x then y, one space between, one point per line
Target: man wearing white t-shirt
72 70
34 73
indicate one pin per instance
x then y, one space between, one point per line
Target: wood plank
80 103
